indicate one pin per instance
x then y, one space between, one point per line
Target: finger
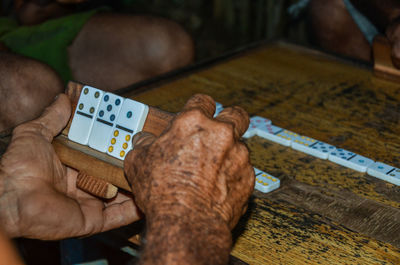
140 142
118 215
143 139
55 117
203 102
121 197
237 117
240 180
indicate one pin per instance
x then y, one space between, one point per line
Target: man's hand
192 183
38 195
393 34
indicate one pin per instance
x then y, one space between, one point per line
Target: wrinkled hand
198 163
393 34
38 195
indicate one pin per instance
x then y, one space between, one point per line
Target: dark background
218 26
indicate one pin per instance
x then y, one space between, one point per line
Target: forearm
177 235
381 12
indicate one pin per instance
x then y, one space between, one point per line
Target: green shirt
46 42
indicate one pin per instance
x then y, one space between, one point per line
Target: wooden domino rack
98 169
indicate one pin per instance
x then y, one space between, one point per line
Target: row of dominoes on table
264 128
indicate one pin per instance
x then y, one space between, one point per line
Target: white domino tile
104 123
360 163
270 132
276 134
312 147
287 135
349 159
265 182
130 121
85 114
385 172
256 122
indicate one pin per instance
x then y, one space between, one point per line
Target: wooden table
323 212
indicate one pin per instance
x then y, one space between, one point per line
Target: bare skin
192 183
20 98
340 33
114 50
38 195
111 51
386 16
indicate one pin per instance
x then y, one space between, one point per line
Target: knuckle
193 116
32 128
45 131
226 130
243 114
243 151
202 98
22 128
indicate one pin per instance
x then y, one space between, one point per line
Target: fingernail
142 137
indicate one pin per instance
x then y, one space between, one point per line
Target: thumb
140 142
54 118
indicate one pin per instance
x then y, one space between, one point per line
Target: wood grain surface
323 212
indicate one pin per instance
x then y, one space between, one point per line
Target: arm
181 235
385 14
192 183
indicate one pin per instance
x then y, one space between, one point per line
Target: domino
265 182
350 160
384 172
256 122
288 136
218 108
84 115
276 134
312 147
103 125
130 121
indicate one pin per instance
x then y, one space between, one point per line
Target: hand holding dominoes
40 192
198 164
95 115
